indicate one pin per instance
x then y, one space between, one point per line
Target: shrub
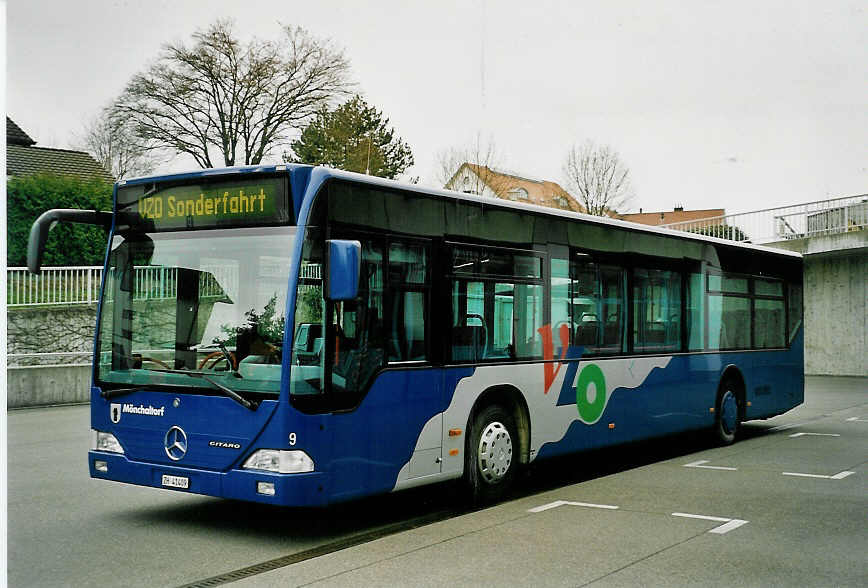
68 244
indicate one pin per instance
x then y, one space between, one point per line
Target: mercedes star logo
176 443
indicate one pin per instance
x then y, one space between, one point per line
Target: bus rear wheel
492 455
727 409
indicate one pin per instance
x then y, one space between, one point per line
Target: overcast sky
740 105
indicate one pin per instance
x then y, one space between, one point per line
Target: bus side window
560 299
656 310
598 305
695 297
408 292
497 304
469 336
612 304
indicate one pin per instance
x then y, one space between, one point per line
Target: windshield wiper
226 389
120 392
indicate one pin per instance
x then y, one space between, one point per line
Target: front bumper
290 489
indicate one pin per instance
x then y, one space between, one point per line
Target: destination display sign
223 204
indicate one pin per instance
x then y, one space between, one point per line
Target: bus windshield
195 302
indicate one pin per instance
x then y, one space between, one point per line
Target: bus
300 335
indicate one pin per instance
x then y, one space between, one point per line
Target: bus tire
726 413
491 458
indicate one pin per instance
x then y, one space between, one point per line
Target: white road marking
729 524
558 503
815 434
554 504
589 505
703 517
838 476
699 464
857 420
733 524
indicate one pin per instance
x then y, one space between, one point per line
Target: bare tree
482 156
599 179
230 101
111 141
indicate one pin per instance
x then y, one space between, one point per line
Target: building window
518 194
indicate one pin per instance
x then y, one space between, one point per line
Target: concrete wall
836 309
50 329
836 316
46 385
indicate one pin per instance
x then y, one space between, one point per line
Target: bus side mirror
344 266
47 220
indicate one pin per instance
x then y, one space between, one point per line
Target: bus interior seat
468 342
588 329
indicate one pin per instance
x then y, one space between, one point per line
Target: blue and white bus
298 335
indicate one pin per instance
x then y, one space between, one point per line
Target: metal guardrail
812 219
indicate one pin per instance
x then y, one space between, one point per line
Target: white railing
311 271
55 285
80 285
824 217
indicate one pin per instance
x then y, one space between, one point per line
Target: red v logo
550 369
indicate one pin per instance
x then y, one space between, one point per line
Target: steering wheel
157 361
216 356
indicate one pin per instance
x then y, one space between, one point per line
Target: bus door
388 397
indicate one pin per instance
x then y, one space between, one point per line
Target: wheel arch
732 373
512 400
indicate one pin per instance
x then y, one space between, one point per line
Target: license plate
176 481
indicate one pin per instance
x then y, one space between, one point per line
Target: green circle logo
591 411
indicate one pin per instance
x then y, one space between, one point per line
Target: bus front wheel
726 420
492 455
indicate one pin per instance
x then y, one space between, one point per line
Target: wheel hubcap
728 412
494 454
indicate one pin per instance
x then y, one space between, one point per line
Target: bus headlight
102 441
281 462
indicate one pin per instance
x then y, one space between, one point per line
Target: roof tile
15 135
22 161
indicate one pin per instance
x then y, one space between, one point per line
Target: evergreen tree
353 137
